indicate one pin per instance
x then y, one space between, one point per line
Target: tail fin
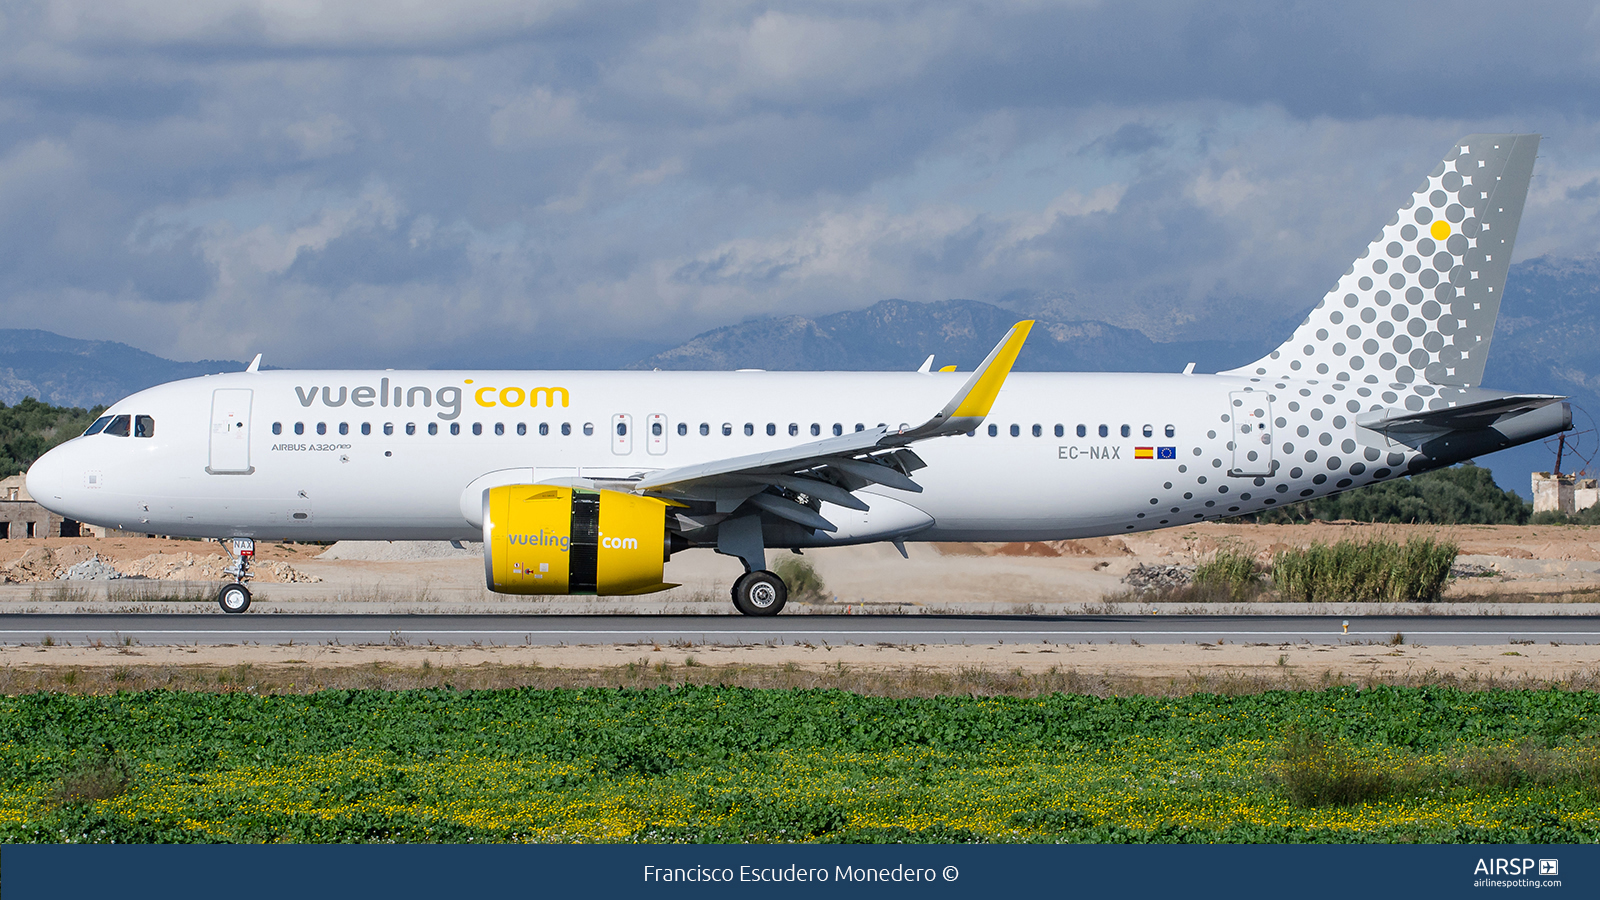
1423 298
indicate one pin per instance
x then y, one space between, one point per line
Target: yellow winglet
975 400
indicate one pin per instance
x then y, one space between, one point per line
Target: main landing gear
235 598
760 594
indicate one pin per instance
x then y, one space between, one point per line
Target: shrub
1316 771
1379 570
97 775
802 580
1232 570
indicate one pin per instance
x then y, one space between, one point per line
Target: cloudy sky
406 182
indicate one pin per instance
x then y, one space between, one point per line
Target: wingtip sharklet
979 393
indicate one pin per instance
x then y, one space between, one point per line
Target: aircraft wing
1460 417
834 468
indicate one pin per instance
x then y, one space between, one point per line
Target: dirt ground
1550 564
1007 668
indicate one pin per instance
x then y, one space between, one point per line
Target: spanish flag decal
1144 453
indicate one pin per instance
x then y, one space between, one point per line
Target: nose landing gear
235 598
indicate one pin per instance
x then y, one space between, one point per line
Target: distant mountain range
1547 341
69 372
899 334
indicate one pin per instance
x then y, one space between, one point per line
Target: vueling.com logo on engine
542 539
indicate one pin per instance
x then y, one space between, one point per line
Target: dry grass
910 681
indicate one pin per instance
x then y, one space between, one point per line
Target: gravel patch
400 550
92 569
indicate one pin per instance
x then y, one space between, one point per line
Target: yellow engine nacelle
539 539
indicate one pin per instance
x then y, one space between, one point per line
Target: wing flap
852 461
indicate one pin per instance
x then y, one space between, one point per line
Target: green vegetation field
734 764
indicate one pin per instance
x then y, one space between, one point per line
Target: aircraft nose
49 478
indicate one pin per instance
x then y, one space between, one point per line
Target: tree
1459 495
31 428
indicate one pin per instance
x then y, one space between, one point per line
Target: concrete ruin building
1565 494
22 517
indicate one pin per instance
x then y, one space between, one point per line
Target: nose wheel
760 594
234 598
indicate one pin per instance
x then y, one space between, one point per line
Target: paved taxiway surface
451 630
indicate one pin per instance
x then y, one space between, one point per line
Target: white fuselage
293 462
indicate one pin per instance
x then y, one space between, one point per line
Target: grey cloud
387 182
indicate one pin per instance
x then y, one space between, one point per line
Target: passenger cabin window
1104 431
994 430
749 429
277 427
860 427
683 429
837 429
1148 431
656 430
388 428
566 429
1083 431
299 428
1038 431
816 429
1016 431
499 428
1127 430
99 425
366 427
1060 431
522 428
411 428
727 428
772 429
433 427
322 428
477 428
705 428
544 428
794 429
622 429
1171 432
455 427
344 427
118 426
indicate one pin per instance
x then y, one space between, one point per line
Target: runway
486 630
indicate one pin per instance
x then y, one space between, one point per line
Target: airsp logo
1524 866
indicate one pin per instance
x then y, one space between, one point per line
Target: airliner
589 482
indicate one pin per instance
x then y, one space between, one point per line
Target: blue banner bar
312 872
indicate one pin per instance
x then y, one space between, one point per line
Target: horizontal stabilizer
1461 417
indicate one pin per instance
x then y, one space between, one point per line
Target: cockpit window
144 426
119 426
98 426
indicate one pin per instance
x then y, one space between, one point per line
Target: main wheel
760 594
234 598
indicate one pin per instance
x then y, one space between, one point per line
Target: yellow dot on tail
1441 230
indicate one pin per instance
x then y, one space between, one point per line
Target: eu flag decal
1144 453
1166 453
